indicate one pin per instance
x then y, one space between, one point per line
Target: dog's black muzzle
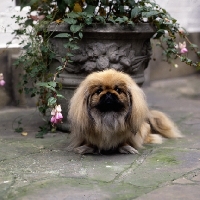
109 102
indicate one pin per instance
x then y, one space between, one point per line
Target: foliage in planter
37 53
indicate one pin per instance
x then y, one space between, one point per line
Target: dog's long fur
126 128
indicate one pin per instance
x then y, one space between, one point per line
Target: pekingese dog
108 112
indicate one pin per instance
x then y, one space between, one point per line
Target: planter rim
106 28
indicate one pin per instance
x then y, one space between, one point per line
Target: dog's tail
160 123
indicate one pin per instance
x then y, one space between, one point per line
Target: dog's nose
109 98
108 95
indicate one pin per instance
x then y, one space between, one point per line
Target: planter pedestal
122 47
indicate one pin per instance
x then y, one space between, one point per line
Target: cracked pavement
32 168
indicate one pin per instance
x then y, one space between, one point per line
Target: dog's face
107 97
109 103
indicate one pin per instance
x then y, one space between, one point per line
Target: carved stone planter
124 48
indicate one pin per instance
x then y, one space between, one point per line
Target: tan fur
126 130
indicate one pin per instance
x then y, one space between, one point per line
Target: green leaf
135 12
183 59
8 43
60 96
73 15
49 85
150 14
100 19
189 61
90 9
59 68
70 54
70 20
194 46
120 20
159 33
28 22
111 20
131 23
43 84
52 83
86 15
71 46
75 28
51 101
43 130
69 2
131 2
27 46
63 35
80 35
174 20
125 18
88 21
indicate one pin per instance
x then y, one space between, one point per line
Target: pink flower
183 48
56 115
2 82
181 31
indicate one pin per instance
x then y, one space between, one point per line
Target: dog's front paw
84 149
127 149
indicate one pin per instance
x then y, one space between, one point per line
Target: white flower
175 65
176 46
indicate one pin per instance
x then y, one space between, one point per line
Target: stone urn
122 47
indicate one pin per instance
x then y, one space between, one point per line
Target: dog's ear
139 108
78 114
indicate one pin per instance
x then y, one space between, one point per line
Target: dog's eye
118 90
99 91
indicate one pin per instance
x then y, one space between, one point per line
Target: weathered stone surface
178 192
182 181
197 177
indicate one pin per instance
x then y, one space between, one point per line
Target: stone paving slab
41 169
